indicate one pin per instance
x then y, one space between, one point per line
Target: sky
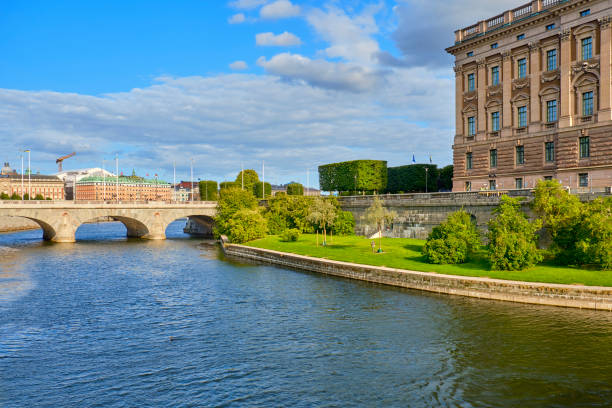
290 83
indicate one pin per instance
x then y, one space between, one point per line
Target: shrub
285 212
363 175
26 196
295 189
512 238
4 196
411 178
257 190
290 235
445 179
39 197
228 184
344 224
15 196
232 200
208 190
250 179
453 241
246 225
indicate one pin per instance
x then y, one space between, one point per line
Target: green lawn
404 253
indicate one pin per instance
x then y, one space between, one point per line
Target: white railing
475 29
495 21
549 3
521 11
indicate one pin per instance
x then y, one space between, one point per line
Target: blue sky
294 83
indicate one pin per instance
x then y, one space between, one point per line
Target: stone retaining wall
584 297
8 224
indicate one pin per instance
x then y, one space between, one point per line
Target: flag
430 161
413 159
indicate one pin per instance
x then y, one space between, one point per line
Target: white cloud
238 65
339 76
237 18
285 39
279 9
247 4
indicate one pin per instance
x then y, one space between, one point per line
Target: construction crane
61 159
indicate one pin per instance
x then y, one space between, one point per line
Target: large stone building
132 188
533 97
49 187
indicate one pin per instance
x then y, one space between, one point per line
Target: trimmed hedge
208 190
411 179
228 184
360 175
295 189
257 190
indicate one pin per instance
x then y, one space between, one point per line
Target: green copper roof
122 180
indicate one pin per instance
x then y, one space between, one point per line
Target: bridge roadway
59 220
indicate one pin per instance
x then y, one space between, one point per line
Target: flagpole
29 177
174 180
104 181
117 175
242 173
263 180
21 177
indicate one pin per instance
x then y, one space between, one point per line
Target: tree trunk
379 238
324 236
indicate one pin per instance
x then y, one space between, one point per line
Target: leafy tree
228 184
594 243
512 237
26 196
290 235
453 241
246 225
344 224
322 214
4 196
379 216
15 196
411 178
251 178
208 190
39 197
445 179
295 189
232 200
285 212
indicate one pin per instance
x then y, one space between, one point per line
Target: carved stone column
567 94
458 104
482 96
507 94
534 86
605 103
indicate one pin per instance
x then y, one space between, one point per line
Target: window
585 149
493 158
471 82
492 184
468 161
495 76
494 45
585 13
518 183
495 121
549 151
520 154
471 126
468 186
587 48
551 60
583 179
522 68
587 103
522 116
520 37
470 54
550 27
551 111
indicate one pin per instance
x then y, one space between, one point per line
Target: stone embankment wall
8 224
584 297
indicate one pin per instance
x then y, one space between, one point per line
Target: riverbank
554 294
14 224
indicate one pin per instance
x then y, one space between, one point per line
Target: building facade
49 187
534 99
122 188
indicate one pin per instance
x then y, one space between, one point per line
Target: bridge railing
98 202
459 196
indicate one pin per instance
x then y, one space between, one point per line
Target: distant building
128 188
70 176
49 187
182 191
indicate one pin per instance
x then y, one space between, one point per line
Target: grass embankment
405 253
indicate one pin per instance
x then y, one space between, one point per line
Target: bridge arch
47 229
196 224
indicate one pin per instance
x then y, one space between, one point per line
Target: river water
110 322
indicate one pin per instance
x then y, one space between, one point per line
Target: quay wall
10 224
575 296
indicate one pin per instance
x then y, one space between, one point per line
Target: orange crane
61 159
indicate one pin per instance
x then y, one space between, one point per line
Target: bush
208 190
15 196
4 196
232 200
512 238
453 241
285 212
290 235
363 175
250 179
257 190
228 184
445 179
411 178
26 196
295 189
344 224
39 197
246 225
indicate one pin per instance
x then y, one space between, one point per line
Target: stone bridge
59 220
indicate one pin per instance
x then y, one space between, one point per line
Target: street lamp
29 177
426 171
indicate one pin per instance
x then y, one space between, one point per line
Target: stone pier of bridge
59 220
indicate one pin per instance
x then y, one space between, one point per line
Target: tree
411 178
4 196
15 196
362 175
379 216
250 179
228 184
594 241
246 225
445 179
257 190
295 189
512 237
208 190
284 212
39 197
232 200
322 214
344 224
453 241
26 196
